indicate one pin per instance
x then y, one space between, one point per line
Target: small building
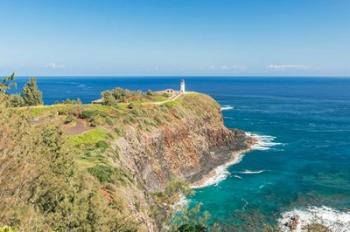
98 101
182 86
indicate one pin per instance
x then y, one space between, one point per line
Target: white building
182 86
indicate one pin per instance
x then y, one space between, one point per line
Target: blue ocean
304 123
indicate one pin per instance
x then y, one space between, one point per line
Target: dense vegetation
30 95
119 95
51 181
59 170
41 189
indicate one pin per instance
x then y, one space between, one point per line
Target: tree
108 98
31 94
41 188
7 83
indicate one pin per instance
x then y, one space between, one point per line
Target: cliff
187 145
133 151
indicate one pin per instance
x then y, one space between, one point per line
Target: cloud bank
286 66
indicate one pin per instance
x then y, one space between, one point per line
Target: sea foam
333 219
226 107
264 142
252 172
220 173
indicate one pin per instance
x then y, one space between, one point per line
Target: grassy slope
93 147
109 123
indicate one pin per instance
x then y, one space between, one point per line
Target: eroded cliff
131 152
190 143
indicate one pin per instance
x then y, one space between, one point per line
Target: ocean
303 166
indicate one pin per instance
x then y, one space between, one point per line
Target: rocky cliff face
189 144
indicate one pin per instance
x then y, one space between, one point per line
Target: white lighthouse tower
182 86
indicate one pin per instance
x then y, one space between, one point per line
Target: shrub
31 94
131 106
102 172
7 229
102 144
108 98
88 114
16 100
70 118
119 131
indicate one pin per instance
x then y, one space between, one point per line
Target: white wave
252 172
226 107
219 174
238 177
333 219
264 142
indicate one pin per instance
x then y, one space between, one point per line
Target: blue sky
175 37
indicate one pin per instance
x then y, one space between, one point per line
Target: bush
102 144
119 131
102 172
70 118
31 94
131 106
16 100
7 229
88 114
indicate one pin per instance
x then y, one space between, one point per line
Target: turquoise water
309 119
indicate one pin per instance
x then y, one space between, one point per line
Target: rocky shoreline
218 173
215 169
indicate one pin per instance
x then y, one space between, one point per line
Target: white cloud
286 66
54 65
226 67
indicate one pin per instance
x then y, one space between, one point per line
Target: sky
175 37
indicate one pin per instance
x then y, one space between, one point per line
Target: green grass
41 110
98 107
90 137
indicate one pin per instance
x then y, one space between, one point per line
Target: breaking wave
226 107
265 142
251 172
220 173
332 219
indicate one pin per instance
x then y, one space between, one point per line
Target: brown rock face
189 145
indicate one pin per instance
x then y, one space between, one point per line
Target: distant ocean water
305 163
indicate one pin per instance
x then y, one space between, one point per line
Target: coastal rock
187 148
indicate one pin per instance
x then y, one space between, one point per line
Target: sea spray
226 107
333 219
264 142
220 173
247 172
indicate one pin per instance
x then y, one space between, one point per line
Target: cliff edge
132 151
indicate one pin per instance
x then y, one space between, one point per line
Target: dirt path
172 98
80 127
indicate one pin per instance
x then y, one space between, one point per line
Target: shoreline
219 173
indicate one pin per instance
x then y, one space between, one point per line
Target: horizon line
182 76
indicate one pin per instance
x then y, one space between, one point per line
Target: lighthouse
182 86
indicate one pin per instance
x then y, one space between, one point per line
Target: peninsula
136 152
